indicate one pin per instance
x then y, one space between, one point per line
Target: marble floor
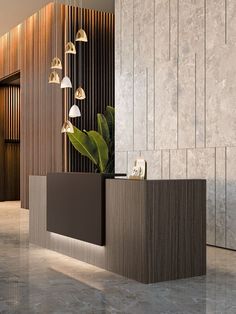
35 280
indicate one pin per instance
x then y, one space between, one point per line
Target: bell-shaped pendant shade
66 82
67 127
70 48
81 36
74 112
80 93
56 63
54 78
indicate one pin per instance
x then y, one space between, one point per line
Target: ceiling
15 12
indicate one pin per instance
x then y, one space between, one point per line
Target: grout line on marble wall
180 149
169 30
205 84
154 78
121 28
147 108
226 22
177 28
195 98
226 196
215 193
177 102
133 78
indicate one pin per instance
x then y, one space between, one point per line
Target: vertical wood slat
11 103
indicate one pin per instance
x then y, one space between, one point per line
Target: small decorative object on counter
139 171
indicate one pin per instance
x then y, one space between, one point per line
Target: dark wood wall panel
12 172
10 143
94 64
2 155
12 114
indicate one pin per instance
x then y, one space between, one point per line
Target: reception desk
155 230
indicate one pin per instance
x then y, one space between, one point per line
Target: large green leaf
110 117
102 149
83 144
103 128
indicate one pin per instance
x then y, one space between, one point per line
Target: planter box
76 206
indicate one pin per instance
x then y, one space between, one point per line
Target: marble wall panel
186 102
221 95
162 29
165 164
230 29
127 35
220 196
166 105
153 164
180 54
231 198
140 110
121 162
201 164
178 164
124 128
118 42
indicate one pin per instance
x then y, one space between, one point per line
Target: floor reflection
35 280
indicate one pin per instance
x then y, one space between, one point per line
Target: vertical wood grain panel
41 114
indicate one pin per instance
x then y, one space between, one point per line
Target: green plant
98 146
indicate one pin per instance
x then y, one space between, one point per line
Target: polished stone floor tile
35 280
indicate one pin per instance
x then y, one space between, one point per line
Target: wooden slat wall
29 49
10 143
42 109
10 52
12 114
94 64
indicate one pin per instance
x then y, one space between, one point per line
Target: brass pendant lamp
81 34
66 81
80 93
56 63
70 46
54 78
67 127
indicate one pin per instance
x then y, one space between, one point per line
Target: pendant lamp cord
56 26
81 14
81 46
74 21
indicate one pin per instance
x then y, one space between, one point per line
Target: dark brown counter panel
156 230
